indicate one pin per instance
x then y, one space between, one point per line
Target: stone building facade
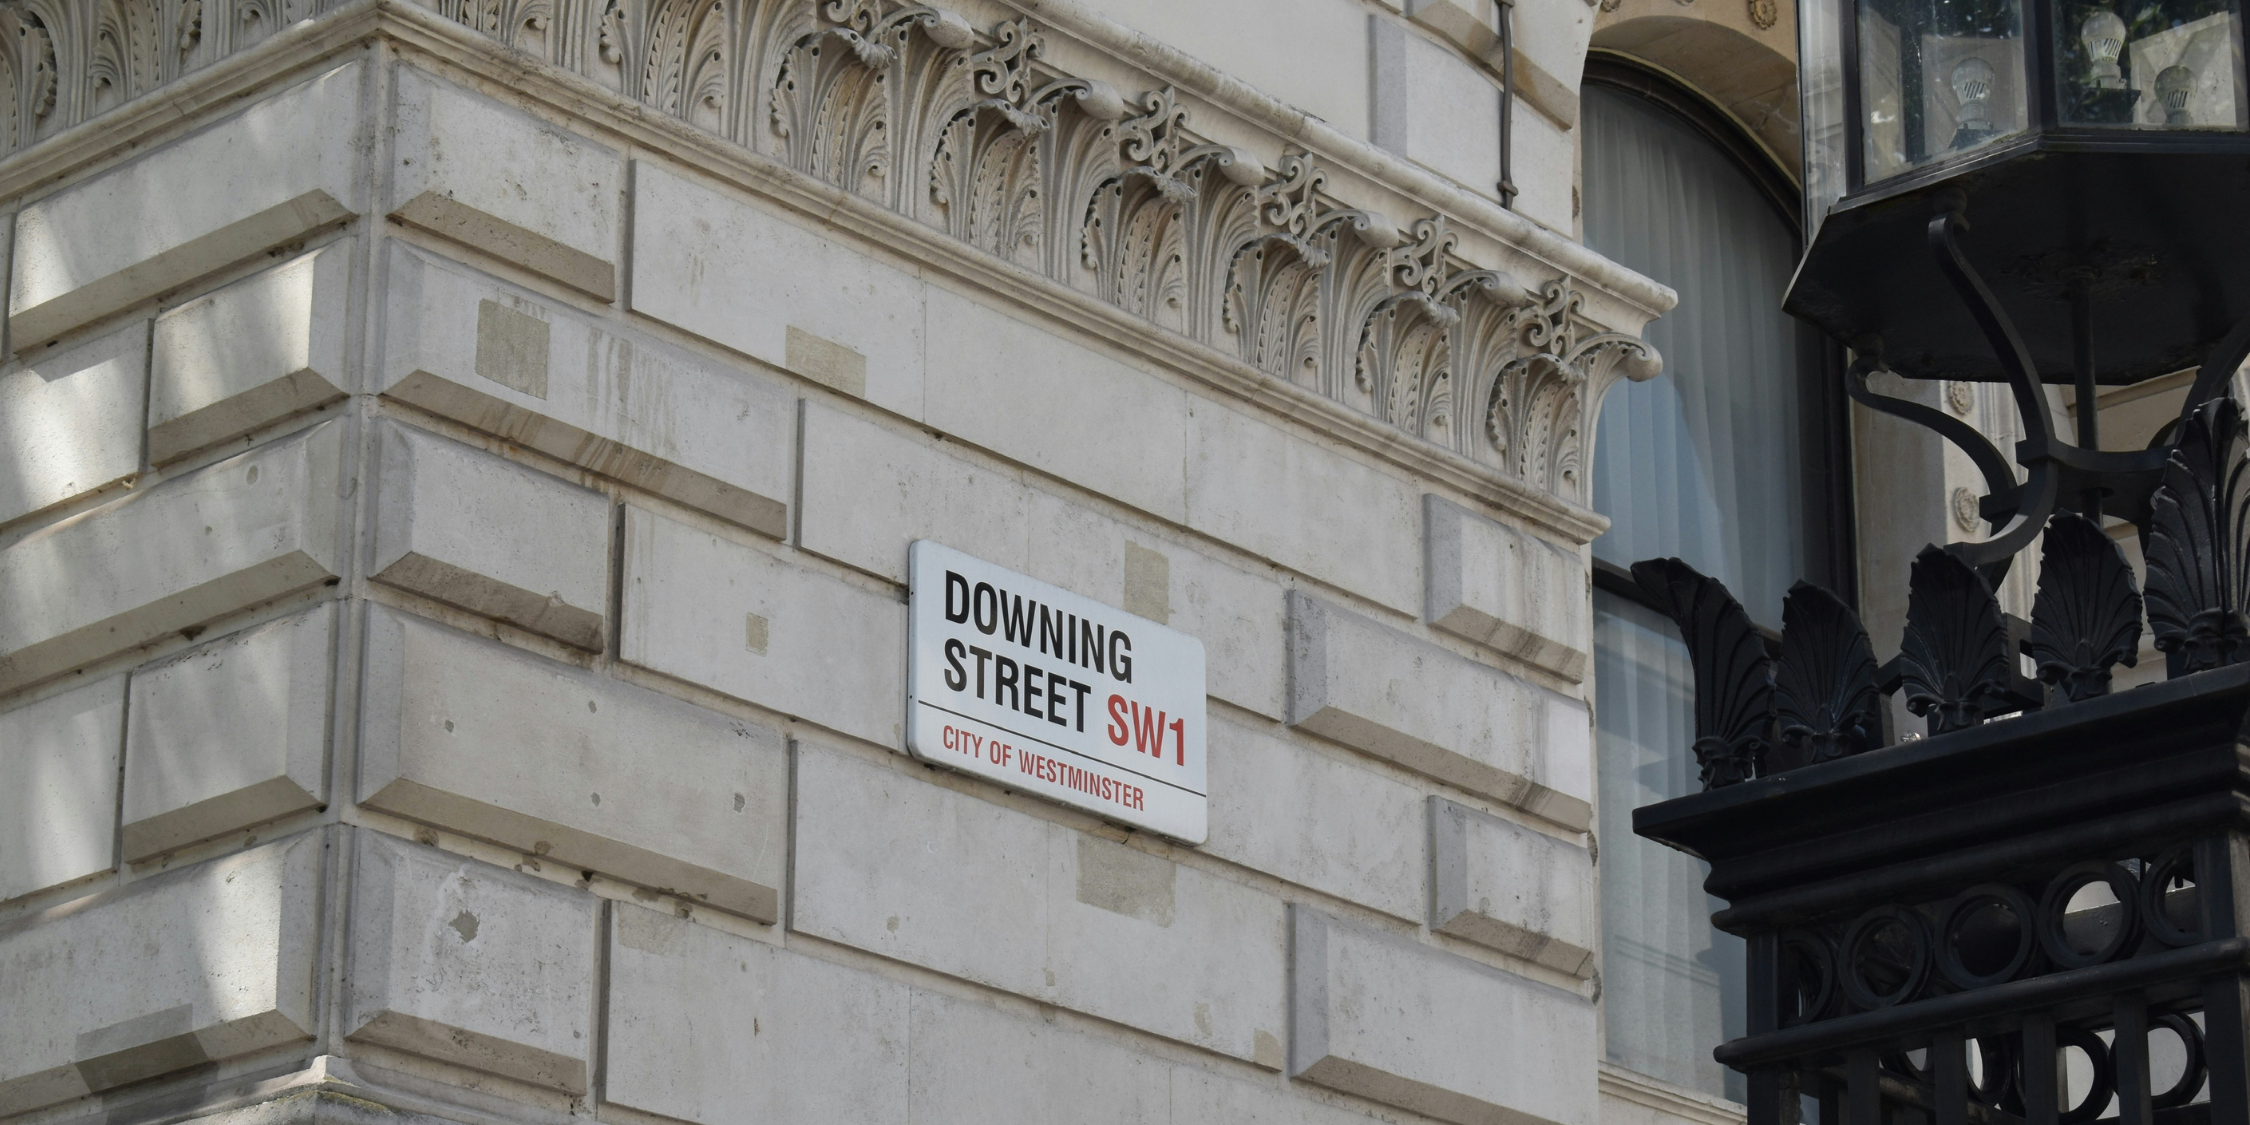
458 464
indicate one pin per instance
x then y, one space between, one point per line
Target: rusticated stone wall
454 511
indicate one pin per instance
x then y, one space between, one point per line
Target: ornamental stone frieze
972 130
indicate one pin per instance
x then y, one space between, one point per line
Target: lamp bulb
2103 35
1972 86
2174 84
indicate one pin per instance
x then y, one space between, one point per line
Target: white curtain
1671 984
1702 463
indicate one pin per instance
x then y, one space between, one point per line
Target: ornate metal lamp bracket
2055 468
1999 478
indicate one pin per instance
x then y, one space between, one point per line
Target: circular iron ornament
2191 1077
2156 880
2105 1075
1808 954
1854 952
1965 907
1999 1078
2057 901
1902 1064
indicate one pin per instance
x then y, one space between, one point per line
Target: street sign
1044 691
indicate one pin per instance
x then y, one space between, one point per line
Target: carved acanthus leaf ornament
974 132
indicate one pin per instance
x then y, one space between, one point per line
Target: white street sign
1044 691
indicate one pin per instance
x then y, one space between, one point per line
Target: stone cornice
1545 365
1169 64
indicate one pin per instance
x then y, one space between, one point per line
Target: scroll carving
973 131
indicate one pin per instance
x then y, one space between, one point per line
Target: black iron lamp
2030 191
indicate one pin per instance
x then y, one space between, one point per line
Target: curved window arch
1727 461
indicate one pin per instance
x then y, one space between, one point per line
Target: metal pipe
1507 185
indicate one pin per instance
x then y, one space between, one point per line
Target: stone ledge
1401 1023
236 976
1509 888
1375 689
471 964
249 529
490 536
470 736
510 243
585 391
1511 592
58 792
259 350
229 734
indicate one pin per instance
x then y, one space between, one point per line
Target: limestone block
972 1063
470 963
1237 615
1301 815
474 737
1371 687
1387 107
189 967
1542 157
277 171
261 349
1169 949
715 1029
244 530
1521 892
1309 53
1061 408
738 620
59 756
738 275
1200 1097
492 537
71 422
1400 1023
966 896
1506 589
549 378
1285 498
503 182
868 492
229 734
1434 107
924 874
1472 25
1550 42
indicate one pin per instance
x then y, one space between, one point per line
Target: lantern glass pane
1938 79
2150 64
1821 88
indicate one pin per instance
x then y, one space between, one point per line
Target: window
1727 461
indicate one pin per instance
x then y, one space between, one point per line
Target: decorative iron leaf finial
1825 700
2088 615
1733 675
1953 662
2199 544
